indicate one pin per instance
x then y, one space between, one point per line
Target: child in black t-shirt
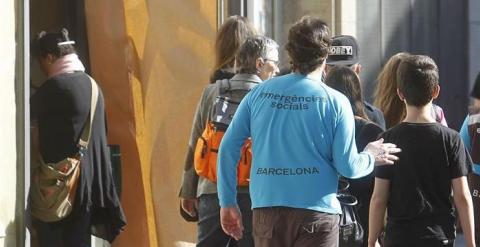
417 189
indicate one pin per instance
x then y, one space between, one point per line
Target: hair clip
70 42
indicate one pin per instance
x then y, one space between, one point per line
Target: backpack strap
87 130
225 86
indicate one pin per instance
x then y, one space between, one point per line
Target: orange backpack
206 151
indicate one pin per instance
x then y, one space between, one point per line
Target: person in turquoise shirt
303 137
470 135
470 127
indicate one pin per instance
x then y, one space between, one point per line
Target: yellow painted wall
108 44
8 159
152 59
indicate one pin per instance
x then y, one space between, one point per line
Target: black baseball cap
343 51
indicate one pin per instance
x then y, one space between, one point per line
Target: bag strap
227 85
87 130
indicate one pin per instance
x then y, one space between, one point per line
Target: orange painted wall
152 59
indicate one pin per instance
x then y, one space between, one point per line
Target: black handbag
350 230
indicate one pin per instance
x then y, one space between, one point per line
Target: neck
421 114
316 74
66 64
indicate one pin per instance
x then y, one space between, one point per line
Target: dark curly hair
55 43
417 79
308 44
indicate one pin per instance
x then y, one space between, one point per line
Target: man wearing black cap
344 51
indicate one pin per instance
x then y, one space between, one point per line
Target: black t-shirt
419 206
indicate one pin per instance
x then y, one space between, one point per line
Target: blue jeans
210 233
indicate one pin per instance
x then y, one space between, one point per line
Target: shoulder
336 98
368 125
446 131
220 74
211 90
68 77
371 108
367 128
393 130
65 83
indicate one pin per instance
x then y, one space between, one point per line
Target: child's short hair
417 79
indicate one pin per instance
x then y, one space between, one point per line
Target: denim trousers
210 233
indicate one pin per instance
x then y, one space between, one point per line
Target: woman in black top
60 107
346 81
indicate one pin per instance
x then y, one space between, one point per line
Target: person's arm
188 191
460 166
378 205
348 162
229 154
463 203
464 134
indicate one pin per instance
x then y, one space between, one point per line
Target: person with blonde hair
255 62
386 97
434 164
231 35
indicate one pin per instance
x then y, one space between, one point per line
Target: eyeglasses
273 61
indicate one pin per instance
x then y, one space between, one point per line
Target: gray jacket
194 186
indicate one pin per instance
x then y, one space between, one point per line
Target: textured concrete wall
8 158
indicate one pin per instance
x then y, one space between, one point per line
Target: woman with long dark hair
346 81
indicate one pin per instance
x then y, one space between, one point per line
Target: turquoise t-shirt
468 144
303 135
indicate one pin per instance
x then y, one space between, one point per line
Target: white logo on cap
341 50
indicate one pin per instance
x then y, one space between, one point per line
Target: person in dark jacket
345 51
60 108
346 81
